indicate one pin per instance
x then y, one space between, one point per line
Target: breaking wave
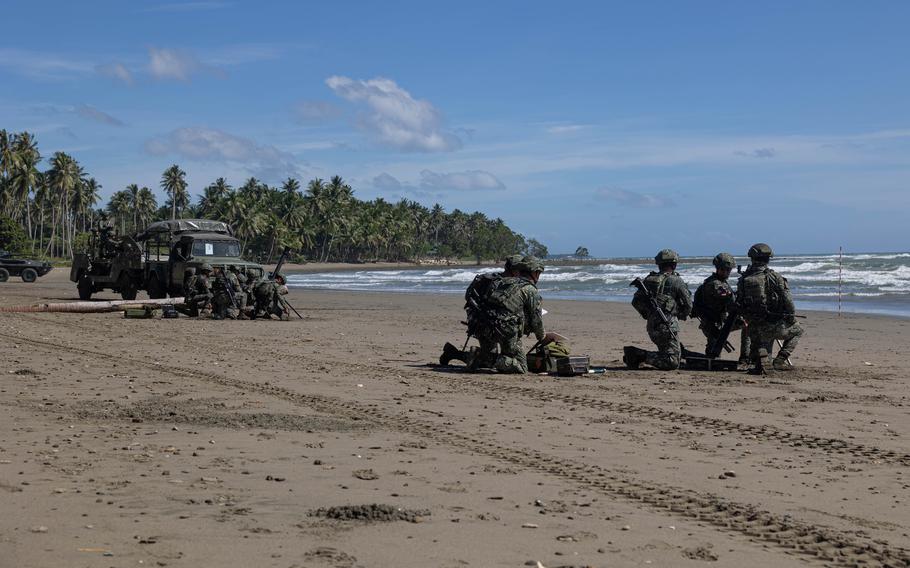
868 282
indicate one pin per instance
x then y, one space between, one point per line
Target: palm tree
146 205
24 177
63 178
119 207
173 182
132 191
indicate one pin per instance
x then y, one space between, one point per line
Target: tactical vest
757 294
656 283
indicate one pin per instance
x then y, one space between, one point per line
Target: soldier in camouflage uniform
764 300
515 303
223 290
238 281
713 301
267 294
474 297
673 296
197 290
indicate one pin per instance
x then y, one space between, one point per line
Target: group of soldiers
761 306
231 294
503 307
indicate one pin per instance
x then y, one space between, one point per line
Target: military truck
155 259
28 270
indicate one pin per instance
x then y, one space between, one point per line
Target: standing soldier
764 300
714 300
672 295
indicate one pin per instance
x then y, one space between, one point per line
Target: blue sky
625 127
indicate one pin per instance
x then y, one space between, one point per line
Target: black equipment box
169 311
695 363
573 365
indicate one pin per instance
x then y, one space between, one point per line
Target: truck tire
85 287
155 289
4 275
29 275
127 287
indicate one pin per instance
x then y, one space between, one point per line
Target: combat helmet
666 256
206 267
512 261
724 260
528 263
760 251
278 275
189 271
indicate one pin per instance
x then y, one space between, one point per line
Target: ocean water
876 283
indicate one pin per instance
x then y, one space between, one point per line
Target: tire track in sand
808 541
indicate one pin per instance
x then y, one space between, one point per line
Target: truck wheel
155 289
4 275
127 287
29 275
85 288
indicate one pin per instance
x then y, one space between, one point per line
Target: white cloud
39 65
437 183
212 145
633 199
91 113
117 71
393 117
316 111
174 64
566 128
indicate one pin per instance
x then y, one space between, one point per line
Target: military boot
743 364
763 365
632 356
449 352
782 363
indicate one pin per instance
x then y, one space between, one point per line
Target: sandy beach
332 442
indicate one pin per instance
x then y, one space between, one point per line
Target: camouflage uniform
238 280
197 292
713 301
267 295
519 316
223 286
673 296
764 299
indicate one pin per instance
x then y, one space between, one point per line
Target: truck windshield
216 248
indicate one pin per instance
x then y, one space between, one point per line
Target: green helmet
512 260
666 256
205 268
533 263
278 275
760 251
189 271
724 260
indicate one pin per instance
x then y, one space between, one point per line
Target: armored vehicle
155 259
28 270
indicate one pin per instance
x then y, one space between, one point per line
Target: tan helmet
666 256
724 260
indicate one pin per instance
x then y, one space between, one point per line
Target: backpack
755 294
502 307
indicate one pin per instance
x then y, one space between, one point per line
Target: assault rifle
720 342
229 288
654 305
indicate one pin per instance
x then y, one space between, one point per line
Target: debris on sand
703 553
370 513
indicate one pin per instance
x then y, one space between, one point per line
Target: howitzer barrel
91 307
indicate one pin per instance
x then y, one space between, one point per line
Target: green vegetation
323 222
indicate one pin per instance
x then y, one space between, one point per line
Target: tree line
324 221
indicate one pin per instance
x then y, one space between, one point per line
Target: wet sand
204 443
